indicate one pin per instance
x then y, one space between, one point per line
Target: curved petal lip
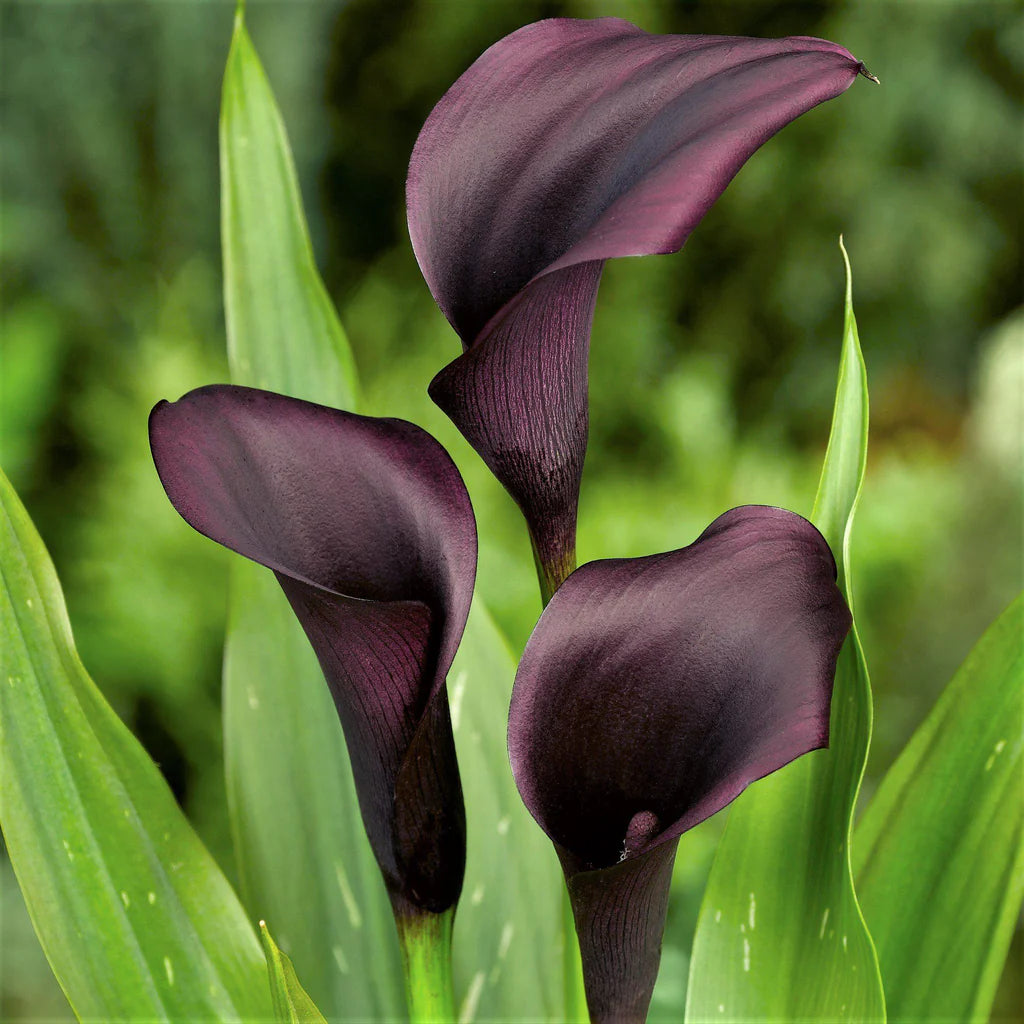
229 412
549 151
654 690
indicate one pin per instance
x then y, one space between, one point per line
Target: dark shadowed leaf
137 921
939 855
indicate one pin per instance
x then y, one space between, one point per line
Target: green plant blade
283 331
304 861
135 917
508 929
291 1003
939 854
780 934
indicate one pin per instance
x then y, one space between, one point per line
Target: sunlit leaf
291 1003
780 934
508 929
939 853
134 916
304 860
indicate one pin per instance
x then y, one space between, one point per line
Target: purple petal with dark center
368 527
565 144
651 693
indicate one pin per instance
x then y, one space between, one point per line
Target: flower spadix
651 693
565 144
368 527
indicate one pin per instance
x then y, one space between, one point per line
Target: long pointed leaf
780 935
135 917
304 859
508 928
940 858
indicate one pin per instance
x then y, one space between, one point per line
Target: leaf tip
849 273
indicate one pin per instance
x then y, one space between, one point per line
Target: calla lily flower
368 527
651 693
565 144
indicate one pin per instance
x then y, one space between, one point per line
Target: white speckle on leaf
29 602
721 1007
718 916
844 943
824 922
340 959
458 691
151 896
124 899
478 895
468 1009
506 940
68 850
254 701
996 751
169 970
746 954
751 911
354 916
503 825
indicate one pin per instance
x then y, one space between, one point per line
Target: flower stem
426 941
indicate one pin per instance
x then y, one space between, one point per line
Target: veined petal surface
567 143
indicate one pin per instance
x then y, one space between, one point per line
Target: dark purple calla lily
565 144
651 693
368 527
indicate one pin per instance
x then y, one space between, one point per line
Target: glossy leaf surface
291 1003
304 859
939 853
780 935
135 917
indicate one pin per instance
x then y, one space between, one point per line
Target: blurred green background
712 372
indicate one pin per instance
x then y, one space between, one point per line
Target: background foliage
712 371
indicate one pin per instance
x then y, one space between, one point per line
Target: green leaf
304 860
135 917
939 854
283 332
780 934
291 1004
508 929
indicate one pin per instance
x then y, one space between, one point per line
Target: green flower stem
551 573
550 578
426 941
